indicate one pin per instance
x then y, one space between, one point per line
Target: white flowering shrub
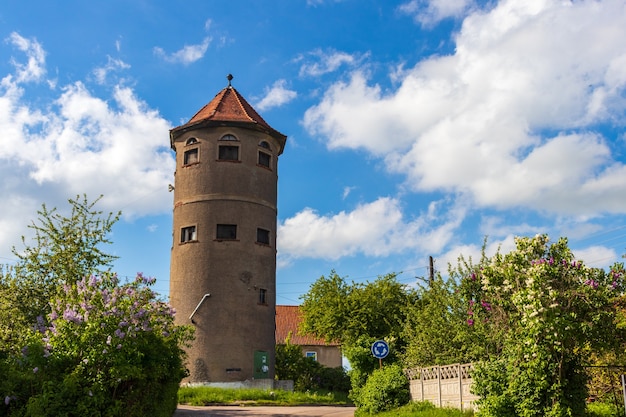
546 311
106 349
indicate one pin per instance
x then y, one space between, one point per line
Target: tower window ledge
264 167
228 160
188 241
191 164
226 240
267 245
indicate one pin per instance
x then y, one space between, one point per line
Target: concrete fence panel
444 386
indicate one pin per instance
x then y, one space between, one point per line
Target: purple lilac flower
73 316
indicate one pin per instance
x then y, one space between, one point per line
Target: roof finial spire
229 77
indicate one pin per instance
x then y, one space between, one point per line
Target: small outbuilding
288 319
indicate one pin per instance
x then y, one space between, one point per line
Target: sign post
380 350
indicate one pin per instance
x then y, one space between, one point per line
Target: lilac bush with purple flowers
92 347
108 349
548 312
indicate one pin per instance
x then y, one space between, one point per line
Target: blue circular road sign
380 349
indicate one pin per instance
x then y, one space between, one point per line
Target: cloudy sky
416 128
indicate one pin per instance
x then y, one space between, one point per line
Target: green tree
65 249
548 311
436 328
335 310
356 315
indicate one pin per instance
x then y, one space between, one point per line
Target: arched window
191 141
265 145
228 152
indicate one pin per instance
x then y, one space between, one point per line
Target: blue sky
415 128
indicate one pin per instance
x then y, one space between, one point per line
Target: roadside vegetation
204 395
533 321
74 339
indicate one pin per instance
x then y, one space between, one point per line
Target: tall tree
64 249
335 310
549 310
356 315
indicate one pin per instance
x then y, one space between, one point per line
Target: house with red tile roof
288 319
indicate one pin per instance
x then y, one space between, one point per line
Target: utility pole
431 271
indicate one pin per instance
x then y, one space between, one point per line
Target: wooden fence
444 386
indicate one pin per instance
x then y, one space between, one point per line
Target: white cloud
473 252
320 62
34 69
597 256
513 118
374 229
112 65
346 191
429 12
276 96
188 54
78 143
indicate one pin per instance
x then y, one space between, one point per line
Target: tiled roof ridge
219 93
243 103
287 323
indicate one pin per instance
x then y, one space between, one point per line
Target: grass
200 396
420 409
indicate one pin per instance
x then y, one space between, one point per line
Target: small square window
226 232
228 153
188 234
312 355
190 156
264 159
262 296
263 236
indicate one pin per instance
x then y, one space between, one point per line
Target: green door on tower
261 364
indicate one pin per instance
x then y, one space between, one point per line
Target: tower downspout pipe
198 306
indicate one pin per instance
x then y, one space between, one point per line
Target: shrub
385 389
108 350
307 374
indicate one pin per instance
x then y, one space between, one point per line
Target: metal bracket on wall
198 306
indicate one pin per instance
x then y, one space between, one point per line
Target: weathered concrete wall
444 386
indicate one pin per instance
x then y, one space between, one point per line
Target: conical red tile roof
229 107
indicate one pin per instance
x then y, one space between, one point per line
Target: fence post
422 383
439 384
623 379
460 387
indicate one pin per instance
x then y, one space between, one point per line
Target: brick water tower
223 264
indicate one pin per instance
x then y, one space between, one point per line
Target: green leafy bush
307 374
106 350
385 389
548 311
